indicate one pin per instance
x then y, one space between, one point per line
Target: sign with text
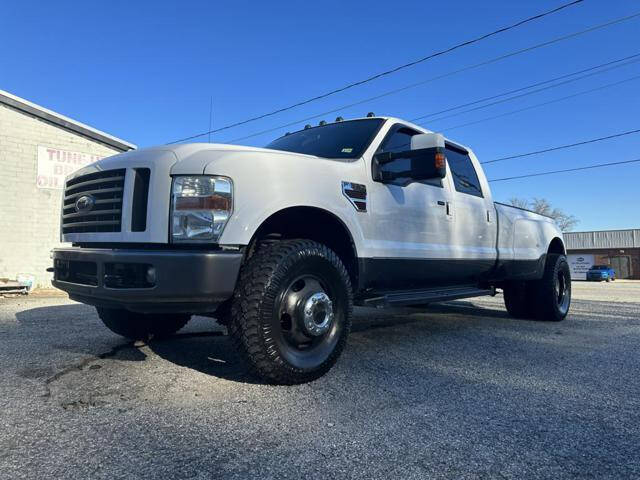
579 264
55 164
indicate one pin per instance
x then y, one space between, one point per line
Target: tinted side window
464 175
400 141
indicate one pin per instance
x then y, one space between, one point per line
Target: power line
441 76
599 165
634 58
552 149
391 71
584 92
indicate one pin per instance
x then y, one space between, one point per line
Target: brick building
38 148
618 248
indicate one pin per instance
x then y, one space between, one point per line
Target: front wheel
140 326
291 311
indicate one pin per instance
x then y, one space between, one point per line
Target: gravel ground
457 391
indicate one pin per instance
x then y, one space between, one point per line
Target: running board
414 297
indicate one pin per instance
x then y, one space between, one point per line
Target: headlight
200 207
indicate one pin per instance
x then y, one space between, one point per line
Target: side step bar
413 297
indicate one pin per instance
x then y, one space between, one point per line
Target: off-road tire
140 326
549 306
254 325
519 299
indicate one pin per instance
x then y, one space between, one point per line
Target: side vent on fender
356 193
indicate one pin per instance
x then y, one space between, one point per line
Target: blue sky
145 71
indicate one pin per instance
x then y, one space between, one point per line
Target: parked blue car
599 273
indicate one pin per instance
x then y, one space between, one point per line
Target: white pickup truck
279 243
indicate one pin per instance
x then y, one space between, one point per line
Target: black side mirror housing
427 159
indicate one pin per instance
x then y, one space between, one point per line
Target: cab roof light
322 123
307 126
339 119
371 114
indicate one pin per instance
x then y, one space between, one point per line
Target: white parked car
279 243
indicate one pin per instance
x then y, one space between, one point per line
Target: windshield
335 140
600 267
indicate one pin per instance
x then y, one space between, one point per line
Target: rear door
474 228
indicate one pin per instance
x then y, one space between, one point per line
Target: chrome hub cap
317 314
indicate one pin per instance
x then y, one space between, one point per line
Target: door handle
442 203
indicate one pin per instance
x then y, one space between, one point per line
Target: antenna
210 118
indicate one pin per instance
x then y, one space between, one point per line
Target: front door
410 225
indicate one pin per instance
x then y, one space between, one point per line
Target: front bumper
179 280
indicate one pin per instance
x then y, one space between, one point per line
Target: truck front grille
93 202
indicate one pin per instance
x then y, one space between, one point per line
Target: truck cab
279 243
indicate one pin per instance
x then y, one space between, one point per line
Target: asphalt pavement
457 391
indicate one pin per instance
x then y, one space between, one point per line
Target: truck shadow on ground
212 352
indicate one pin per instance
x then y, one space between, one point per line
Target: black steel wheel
291 312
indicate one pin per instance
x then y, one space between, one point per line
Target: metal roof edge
600 231
62 121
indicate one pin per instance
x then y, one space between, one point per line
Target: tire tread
254 291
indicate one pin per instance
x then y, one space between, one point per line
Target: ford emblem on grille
85 203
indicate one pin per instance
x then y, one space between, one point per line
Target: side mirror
426 157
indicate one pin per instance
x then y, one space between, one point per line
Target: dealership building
618 248
38 148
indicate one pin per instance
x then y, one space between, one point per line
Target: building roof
66 123
602 239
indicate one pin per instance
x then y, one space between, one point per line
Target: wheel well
556 246
313 224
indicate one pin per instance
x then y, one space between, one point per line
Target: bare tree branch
565 221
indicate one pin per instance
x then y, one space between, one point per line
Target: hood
183 159
194 157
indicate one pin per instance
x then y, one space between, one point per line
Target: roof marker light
322 122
